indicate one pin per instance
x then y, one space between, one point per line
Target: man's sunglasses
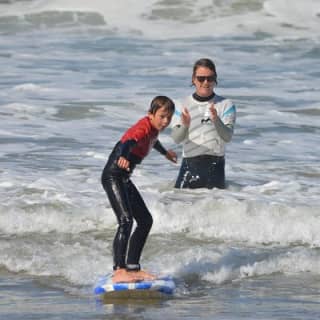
204 78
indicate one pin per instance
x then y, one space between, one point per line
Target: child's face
161 119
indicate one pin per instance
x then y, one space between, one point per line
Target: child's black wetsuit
124 197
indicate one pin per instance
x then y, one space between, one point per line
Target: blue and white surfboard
162 285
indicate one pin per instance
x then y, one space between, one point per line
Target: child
124 198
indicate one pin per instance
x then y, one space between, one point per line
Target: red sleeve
138 131
145 136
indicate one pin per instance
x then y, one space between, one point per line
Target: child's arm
123 161
169 154
172 156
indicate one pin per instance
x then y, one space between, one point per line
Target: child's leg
144 223
117 191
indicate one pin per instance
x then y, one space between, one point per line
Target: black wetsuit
127 204
203 171
124 197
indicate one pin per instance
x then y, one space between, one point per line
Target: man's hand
213 112
185 117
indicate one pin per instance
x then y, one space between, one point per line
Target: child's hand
172 156
123 163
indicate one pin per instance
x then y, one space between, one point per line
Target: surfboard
158 288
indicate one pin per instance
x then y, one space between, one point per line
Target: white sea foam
27 111
295 262
281 18
46 205
78 263
31 87
248 221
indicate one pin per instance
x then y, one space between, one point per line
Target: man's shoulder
223 103
180 104
221 100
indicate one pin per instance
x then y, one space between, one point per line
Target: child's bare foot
122 275
144 275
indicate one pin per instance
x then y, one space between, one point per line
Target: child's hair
159 102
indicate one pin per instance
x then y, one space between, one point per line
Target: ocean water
75 74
